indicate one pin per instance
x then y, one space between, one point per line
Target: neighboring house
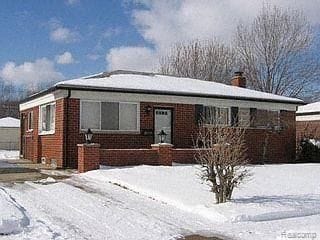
127 110
9 133
308 121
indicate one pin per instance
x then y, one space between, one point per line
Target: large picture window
47 118
265 118
109 116
216 115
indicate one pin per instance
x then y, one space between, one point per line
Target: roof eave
124 90
39 94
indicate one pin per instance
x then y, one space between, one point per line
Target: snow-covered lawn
157 202
285 195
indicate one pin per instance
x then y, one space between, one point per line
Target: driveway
75 207
13 169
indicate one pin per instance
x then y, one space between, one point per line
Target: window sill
46 133
29 131
133 132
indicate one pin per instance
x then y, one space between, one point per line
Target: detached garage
9 133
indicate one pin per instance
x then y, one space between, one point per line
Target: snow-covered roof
10 122
309 108
163 84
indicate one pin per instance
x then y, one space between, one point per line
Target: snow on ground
289 192
5 155
80 208
158 202
8 154
13 217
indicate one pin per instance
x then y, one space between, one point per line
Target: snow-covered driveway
80 208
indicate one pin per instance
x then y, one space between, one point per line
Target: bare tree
207 60
275 52
221 151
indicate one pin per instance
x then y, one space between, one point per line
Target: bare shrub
221 151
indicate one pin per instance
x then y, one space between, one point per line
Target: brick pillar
164 153
88 157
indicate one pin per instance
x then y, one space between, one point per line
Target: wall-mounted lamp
162 136
88 136
148 109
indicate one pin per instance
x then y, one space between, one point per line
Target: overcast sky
45 40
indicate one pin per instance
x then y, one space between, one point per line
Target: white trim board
50 97
308 118
139 97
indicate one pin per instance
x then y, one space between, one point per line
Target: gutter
308 113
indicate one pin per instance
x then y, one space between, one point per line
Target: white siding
10 138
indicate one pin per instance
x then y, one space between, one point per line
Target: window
90 115
265 118
30 121
47 118
216 115
109 116
244 117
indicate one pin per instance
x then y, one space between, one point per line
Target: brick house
126 110
308 121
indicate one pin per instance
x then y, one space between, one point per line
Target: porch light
148 109
88 135
162 136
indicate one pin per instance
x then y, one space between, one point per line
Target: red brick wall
310 129
89 157
48 146
281 147
183 128
184 155
123 157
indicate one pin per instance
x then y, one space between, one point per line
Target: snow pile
274 192
48 180
12 217
315 142
9 122
6 154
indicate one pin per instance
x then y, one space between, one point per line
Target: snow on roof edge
9 122
74 83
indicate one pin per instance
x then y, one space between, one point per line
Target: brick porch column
164 153
88 157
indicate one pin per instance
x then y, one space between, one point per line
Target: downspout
65 134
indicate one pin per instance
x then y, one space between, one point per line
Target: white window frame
30 118
137 131
229 113
52 131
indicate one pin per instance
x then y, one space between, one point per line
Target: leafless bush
221 151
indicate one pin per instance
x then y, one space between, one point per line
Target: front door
163 121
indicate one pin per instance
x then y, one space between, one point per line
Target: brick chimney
238 80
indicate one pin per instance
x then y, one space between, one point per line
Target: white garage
9 133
